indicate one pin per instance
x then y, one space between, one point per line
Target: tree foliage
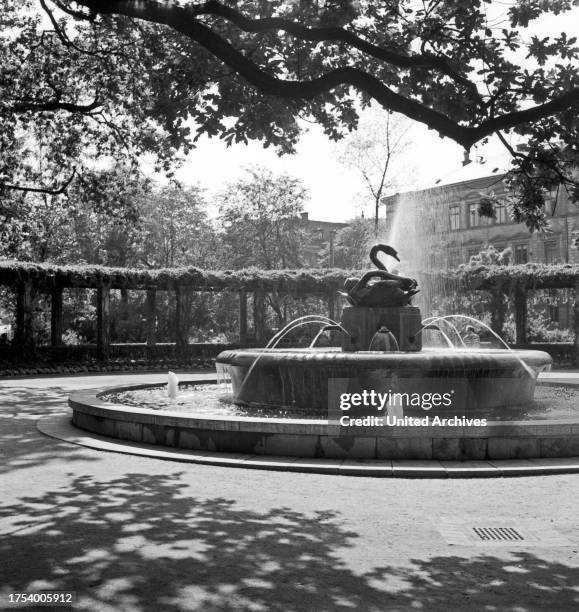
122 78
260 214
352 245
95 221
176 230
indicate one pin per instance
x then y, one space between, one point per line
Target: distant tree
352 245
92 222
106 214
376 151
260 217
261 226
176 230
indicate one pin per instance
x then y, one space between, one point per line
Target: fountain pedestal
362 322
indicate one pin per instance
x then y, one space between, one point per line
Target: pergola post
103 322
56 322
242 316
151 311
576 322
520 316
23 337
259 315
181 332
332 303
498 310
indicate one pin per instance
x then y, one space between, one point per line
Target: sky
334 188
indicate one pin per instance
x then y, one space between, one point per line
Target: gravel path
133 533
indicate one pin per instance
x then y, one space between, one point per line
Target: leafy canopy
124 77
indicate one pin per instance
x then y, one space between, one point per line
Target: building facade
444 225
450 218
318 251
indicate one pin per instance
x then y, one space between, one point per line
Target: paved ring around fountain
61 428
253 443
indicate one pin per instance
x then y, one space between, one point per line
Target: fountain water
302 379
172 385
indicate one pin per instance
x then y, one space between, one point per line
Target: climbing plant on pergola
517 281
29 280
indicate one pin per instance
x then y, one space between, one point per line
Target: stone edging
61 428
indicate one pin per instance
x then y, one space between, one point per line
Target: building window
551 251
473 218
454 217
551 202
521 253
501 213
554 314
453 258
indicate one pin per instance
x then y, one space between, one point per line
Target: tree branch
62 36
65 8
46 190
180 19
333 34
54 105
565 180
566 101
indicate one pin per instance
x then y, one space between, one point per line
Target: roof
472 171
474 174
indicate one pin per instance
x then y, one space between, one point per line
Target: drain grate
489 534
503 531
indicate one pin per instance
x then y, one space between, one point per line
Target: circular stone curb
60 427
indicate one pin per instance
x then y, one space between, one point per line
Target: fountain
304 379
380 395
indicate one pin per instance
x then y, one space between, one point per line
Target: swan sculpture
389 290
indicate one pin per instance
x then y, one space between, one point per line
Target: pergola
518 281
27 280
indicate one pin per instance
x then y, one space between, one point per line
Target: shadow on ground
140 543
21 444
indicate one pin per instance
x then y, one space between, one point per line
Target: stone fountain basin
316 438
302 378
